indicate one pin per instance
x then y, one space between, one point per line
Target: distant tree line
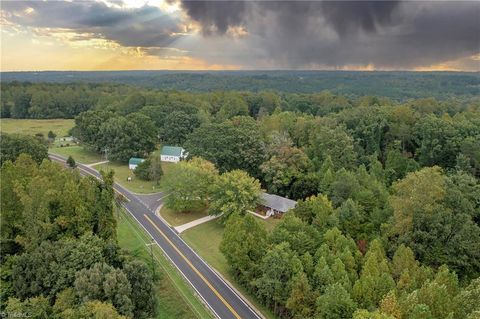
395 85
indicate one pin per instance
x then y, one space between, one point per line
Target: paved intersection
223 300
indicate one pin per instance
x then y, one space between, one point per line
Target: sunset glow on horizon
263 35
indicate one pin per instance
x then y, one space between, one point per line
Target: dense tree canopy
60 257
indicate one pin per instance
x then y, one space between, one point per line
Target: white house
172 154
133 162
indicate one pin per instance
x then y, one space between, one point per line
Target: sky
240 35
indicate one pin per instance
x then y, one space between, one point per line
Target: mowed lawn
205 240
179 218
176 299
79 154
136 185
31 127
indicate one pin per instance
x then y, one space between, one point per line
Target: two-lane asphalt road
216 293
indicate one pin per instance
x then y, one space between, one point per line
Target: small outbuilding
133 162
172 154
276 205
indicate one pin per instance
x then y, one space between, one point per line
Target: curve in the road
216 293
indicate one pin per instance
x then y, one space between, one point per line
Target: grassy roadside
136 185
205 240
176 299
179 218
79 154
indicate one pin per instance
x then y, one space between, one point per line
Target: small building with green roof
172 154
134 161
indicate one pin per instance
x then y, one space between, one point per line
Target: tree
365 314
143 169
438 141
143 290
234 192
244 244
234 144
71 162
317 210
467 300
133 103
125 137
335 303
36 307
397 164
283 168
335 143
155 171
93 310
189 183
21 104
375 280
301 302
105 283
301 236
419 193
12 145
389 305
232 105
434 215
51 136
178 125
279 267
87 127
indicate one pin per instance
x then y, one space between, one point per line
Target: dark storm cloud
216 16
390 34
344 16
146 26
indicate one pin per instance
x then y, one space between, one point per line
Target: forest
60 257
387 223
395 85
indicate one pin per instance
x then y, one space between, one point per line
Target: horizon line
246 70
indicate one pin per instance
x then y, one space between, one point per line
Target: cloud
332 34
394 34
147 26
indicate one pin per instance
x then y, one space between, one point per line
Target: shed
277 204
133 162
172 154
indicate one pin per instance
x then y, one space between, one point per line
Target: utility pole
151 255
105 151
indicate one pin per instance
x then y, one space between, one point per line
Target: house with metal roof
172 154
133 162
276 204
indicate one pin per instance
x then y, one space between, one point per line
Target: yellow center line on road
194 269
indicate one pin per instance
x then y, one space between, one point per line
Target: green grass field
205 240
79 154
31 127
136 185
176 299
179 218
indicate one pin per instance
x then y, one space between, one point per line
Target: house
133 162
172 154
275 204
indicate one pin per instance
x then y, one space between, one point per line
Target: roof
276 202
171 151
135 161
